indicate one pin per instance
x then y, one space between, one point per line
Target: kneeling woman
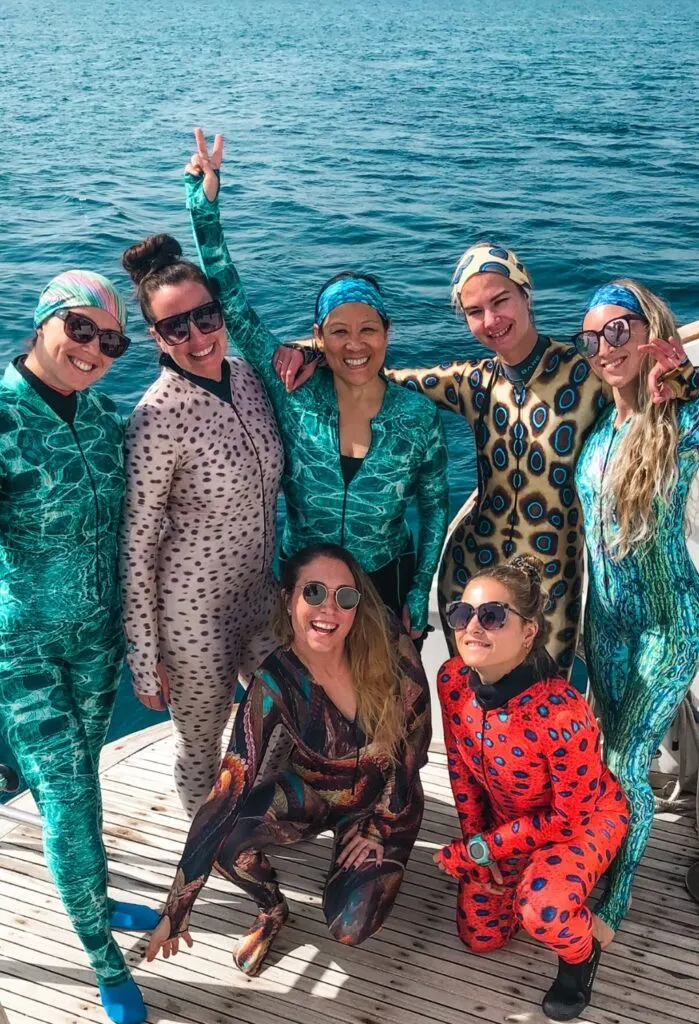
331 734
541 816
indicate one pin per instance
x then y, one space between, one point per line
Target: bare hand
414 634
436 857
288 362
157 701
669 355
160 940
203 162
357 849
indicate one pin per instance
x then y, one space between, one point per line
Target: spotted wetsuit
527 774
641 633
527 438
204 462
296 767
61 640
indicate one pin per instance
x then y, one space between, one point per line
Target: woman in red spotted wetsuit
541 816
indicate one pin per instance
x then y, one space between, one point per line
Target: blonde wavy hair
371 652
644 469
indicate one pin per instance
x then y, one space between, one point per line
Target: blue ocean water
385 137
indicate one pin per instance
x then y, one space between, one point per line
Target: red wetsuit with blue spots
526 773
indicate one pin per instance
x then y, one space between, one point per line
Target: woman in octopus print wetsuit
61 639
331 734
642 616
530 405
204 463
541 816
357 447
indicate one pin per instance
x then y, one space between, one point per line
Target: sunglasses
83 330
491 614
346 598
174 330
616 332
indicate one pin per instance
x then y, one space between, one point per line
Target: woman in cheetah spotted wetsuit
541 816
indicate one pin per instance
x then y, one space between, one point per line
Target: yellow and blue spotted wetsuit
641 633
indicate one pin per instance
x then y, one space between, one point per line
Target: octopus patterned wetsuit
527 438
331 777
61 641
527 774
407 457
641 634
204 463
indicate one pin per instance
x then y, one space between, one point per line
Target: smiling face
354 340
69 365
617 367
493 653
201 354
321 628
498 314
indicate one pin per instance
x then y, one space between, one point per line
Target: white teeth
85 367
499 334
324 627
204 352
357 362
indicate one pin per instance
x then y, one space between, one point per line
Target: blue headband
349 289
615 295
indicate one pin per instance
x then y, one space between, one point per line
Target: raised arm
433 508
152 458
247 331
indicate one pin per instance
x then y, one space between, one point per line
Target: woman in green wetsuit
642 617
61 641
357 447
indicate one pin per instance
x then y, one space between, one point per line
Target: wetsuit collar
219 388
494 695
63 405
18 384
523 372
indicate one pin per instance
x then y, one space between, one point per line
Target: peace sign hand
203 162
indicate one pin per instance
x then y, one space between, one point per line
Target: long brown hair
643 472
371 653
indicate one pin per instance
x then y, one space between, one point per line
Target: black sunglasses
491 614
616 332
174 330
83 330
346 598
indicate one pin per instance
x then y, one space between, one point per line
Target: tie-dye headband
489 259
349 289
615 295
80 288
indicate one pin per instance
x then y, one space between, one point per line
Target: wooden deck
415 971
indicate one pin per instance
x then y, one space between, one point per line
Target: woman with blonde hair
642 618
331 734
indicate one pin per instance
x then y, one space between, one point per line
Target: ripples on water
380 136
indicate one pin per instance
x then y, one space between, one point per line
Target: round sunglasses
616 332
315 594
175 330
82 329
491 614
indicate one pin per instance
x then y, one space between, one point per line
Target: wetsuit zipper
484 719
603 545
346 485
514 516
262 484
98 582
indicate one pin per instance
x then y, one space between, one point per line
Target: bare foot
601 931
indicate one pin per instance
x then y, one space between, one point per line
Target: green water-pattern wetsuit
61 641
407 456
641 633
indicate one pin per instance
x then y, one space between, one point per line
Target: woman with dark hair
203 463
61 638
357 447
541 816
331 734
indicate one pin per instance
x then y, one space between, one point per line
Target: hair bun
153 253
531 566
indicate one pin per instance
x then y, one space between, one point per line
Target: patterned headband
349 289
615 295
80 288
489 259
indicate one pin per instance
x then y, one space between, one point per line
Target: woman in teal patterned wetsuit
61 640
357 447
642 618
